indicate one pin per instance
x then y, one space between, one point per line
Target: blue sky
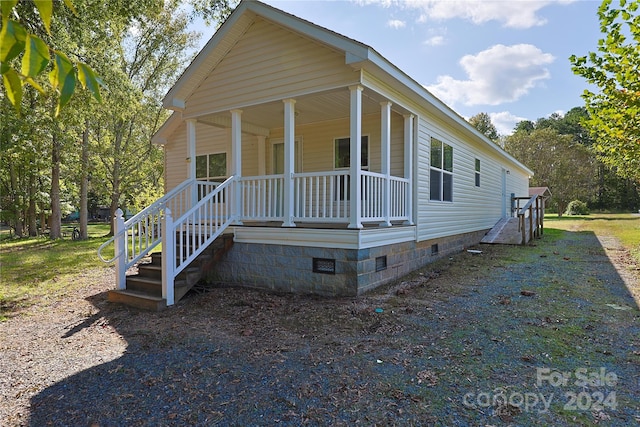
508 58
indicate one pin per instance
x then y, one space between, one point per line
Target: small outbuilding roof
540 191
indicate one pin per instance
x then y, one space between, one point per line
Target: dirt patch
475 339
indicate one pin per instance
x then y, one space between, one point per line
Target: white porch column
289 160
262 161
191 158
355 168
408 163
385 159
236 163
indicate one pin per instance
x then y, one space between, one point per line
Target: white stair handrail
140 223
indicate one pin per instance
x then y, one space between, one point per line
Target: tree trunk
31 213
18 225
56 215
115 192
84 183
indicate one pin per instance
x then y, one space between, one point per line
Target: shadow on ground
539 335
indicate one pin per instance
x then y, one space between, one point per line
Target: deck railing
530 217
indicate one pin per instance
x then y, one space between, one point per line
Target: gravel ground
541 335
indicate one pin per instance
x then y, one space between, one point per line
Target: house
333 171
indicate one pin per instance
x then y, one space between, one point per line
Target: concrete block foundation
338 272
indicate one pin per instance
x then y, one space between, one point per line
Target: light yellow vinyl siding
175 154
269 63
209 139
473 208
318 143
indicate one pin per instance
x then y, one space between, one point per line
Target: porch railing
324 197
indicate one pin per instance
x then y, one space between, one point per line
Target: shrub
577 207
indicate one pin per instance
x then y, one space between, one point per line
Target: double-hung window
342 153
212 168
441 182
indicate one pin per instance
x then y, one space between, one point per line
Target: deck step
137 299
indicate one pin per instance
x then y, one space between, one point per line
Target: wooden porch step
137 299
144 290
149 285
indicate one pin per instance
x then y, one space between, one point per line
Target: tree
482 122
560 163
525 126
614 111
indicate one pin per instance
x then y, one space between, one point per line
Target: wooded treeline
93 154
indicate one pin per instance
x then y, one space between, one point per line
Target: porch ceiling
318 107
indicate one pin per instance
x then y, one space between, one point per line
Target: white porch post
191 158
408 163
289 160
120 248
355 168
385 160
168 257
262 161
236 163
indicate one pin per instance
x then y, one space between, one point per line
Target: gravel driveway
539 335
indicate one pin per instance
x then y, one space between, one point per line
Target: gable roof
543 192
355 52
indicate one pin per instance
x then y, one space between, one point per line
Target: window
477 172
342 154
441 182
211 167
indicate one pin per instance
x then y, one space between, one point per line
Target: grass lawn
36 267
625 227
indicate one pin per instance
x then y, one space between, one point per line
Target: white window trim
441 170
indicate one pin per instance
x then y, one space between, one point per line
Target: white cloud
512 13
396 24
434 41
496 75
505 122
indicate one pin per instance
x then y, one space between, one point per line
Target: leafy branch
37 56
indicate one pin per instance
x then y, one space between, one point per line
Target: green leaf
89 80
13 86
63 78
12 39
33 83
45 8
69 4
36 56
5 8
